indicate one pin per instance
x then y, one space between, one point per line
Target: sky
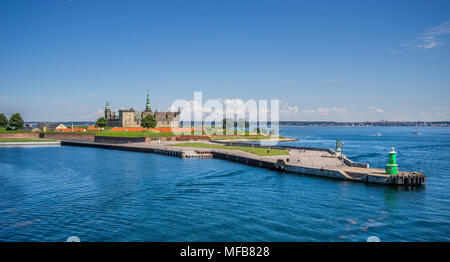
349 60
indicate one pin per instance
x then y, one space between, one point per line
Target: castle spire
107 106
147 105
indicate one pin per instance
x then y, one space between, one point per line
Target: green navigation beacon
391 166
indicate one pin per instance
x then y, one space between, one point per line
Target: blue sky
324 60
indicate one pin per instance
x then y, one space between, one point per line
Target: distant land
298 123
366 123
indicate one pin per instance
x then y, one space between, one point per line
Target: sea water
52 193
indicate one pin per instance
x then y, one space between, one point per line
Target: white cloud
442 114
339 110
285 108
332 113
248 109
323 111
373 110
429 38
319 111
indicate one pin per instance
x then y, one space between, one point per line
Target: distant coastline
366 123
304 123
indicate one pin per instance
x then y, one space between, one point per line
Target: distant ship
414 133
378 134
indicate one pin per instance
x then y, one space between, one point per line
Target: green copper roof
147 106
107 106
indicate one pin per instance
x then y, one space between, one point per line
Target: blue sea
52 193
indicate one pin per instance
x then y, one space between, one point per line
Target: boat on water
378 134
414 133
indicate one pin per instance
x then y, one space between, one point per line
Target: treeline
14 123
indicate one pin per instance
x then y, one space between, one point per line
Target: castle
131 118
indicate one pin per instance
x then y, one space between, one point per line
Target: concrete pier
301 160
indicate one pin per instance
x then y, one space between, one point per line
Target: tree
227 123
241 123
101 122
148 122
16 122
3 120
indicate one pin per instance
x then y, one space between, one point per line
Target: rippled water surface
51 193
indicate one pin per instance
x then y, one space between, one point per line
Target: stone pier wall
244 160
348 162
118 140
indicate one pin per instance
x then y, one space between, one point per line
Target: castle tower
391 166
147 105
108 114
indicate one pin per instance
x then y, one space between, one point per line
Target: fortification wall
164 138
68 136
192 138
19 135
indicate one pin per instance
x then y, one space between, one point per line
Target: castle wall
130 118
127 118
114 122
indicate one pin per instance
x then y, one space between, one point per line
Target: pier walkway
318 162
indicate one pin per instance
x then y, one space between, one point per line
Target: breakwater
301 160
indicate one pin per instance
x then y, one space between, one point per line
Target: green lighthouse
391 166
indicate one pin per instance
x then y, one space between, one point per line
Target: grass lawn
4 131
24 140
252 137
131 133
256 151
119 133
154 133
